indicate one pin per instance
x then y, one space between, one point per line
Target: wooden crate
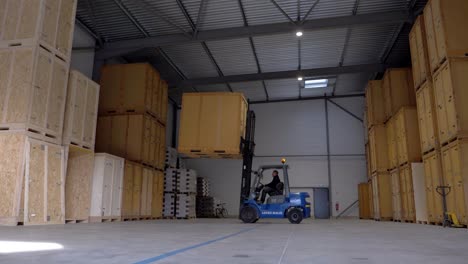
382 191
32 174
419 190
446 36
368 162
212 123
428 132
148 176
40 22
378 148
132 190
78 183
162 117
106 198
451 95
455 173
433 178
371 198
374 102
408 211
392 143
398 90
81 111
162 149
33 85
407 135
157 195
419 53
130 89
134 137
396 194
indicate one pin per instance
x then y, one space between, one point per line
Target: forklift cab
285 204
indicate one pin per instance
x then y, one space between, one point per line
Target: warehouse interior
360 101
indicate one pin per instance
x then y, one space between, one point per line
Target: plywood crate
134 137
407 193
157 196
81 111
451 95
396 195
162 116
433 178
39 22
392 143
212 124
364 207
106 198
455 173
382 191
133 189
446 35
78 184
368 162
398 90
378 148
428 132
161 156
419 53
33 85
148 175
419 190
407 135
371 198
32 177
374 101
130 89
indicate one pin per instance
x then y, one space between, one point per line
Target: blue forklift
283 203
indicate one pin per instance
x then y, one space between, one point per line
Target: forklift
283 204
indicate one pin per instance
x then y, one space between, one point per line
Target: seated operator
271 188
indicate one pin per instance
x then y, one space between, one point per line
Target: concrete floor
228 241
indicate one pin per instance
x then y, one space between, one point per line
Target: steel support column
330 196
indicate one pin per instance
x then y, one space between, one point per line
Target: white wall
297 130
83 60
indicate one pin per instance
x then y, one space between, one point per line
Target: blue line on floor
178 251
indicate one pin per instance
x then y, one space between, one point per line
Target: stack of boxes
35 51
180 187
205 202
439 51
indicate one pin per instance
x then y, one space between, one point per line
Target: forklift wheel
294 216
248 214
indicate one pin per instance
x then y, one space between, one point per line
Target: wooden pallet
396 220
186 218
422 222
76 221
96 219
435 223
409 221
384 219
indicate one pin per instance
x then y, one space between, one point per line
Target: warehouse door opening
321 203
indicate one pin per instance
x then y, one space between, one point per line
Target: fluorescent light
299 78
316 83
299 33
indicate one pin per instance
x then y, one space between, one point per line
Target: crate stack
170 191
131 124
35 52
205 202
186 194
439 51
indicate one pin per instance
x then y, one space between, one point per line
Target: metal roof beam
284 74
117 48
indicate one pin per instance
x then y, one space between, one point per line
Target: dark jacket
274 182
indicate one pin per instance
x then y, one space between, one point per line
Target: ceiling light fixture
299 78
299 33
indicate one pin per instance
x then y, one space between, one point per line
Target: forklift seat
279 188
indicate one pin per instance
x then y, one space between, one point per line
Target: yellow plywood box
427 117
364 206
455 171
407 135
157 195
433 178
382 191
446 34
374 102
419 53
378 148
398 90
81 111
396 194
451 95
392 143
408 211
33 85
371 198
212 124
44 22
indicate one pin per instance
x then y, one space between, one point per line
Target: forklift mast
248 148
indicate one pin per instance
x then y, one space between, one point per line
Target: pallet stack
171 157
131 124
170 191
180 187
439 49
35 51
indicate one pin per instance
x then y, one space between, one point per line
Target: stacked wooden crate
35 52
131 124
439 49
364 203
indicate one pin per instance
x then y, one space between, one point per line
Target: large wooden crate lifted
33 181
38 22
212 124
33 85
81 111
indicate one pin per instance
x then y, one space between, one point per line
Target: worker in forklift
272 187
